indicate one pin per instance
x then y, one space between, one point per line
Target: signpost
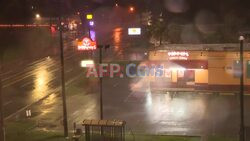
86 44
242 119
91 24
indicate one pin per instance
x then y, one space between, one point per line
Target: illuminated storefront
201 70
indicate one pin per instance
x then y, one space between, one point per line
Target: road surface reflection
117 37
42 77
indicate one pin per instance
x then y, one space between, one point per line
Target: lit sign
92 35
86 44
178 55
87 63
134 31
89 17
91 23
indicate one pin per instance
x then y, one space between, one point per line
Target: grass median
26 131
161 138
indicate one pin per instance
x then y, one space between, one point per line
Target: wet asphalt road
127 99
26 84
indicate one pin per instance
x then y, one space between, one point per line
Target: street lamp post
242 128
38 16
101 87
65 120
101 100
2 132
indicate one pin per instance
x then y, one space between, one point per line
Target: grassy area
217 138
25 131
161 138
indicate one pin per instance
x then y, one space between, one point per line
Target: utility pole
2 131
101 101
65 120
242 122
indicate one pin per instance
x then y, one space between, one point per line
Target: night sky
20 10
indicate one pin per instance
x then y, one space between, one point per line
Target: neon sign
86 44
178 55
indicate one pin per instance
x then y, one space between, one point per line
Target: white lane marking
54 91
70 56
227 94
204 93
24 75
115 85
69 70
31 74
130 95
7 103
26 84
27 71
42 61
5 73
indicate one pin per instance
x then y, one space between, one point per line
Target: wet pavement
26 84
185 113
129 99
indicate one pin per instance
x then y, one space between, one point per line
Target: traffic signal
52 29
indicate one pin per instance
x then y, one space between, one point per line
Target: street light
2 128
242 121
64 102
101 87
131 9
38 16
